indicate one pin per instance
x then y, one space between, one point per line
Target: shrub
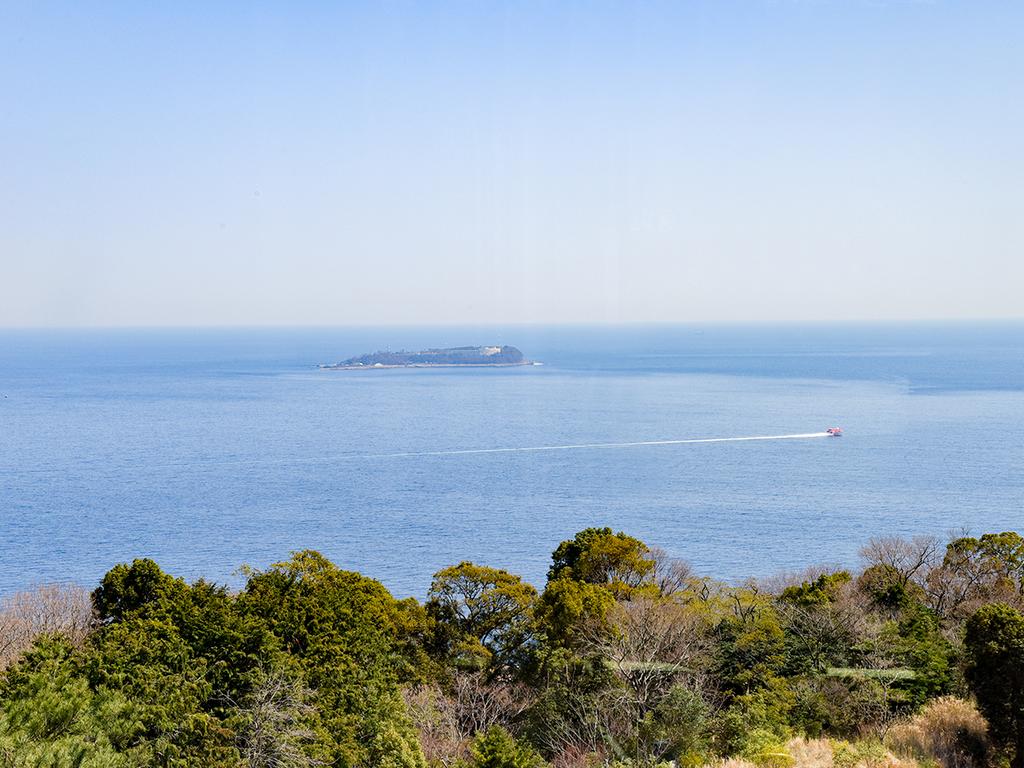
765 749
861 754
838 706
497 748
949 731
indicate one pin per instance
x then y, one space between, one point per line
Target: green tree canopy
50 716
995 651
497 748
598 556
567 607
340 628
821 591
491 611
996 560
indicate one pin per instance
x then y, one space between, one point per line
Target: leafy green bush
497 748
765 748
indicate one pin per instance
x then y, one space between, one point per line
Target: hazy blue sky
340 163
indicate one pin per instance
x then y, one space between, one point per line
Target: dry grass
49 609
824 753
733 762
948 731
867 754
811 753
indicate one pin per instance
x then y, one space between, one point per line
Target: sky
326 163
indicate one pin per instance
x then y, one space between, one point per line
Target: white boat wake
578 446
465 452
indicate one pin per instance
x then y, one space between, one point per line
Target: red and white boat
834 432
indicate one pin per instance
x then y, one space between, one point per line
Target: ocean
211 449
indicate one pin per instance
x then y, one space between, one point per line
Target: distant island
496 356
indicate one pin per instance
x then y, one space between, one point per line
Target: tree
657 649
1004 554
823 590
50 716
175 703
922 648
978 570
571 714
751 645
897 570
186 651
908 560
589 572
447 719
132 589
651 644
567 607
669 575
491 611
820 622
889 591
51 609
341 631
276 724
496 748
677 727
597 556
995 650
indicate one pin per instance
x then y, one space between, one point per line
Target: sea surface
212 449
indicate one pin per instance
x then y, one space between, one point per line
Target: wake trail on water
578 446
343 457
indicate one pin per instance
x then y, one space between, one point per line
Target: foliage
922 648
995 651
751 646
764 748
841 706
489 612
677 728
567 607
49 716
496 748
276 724
888 589
394 747
148 662
999 556
822 591
597 556
625 659
339 629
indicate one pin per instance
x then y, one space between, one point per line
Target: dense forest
626 657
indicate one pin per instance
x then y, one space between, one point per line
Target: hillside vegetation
624 658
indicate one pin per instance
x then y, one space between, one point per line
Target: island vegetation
432 358
625 658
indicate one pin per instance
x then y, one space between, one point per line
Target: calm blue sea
210 449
